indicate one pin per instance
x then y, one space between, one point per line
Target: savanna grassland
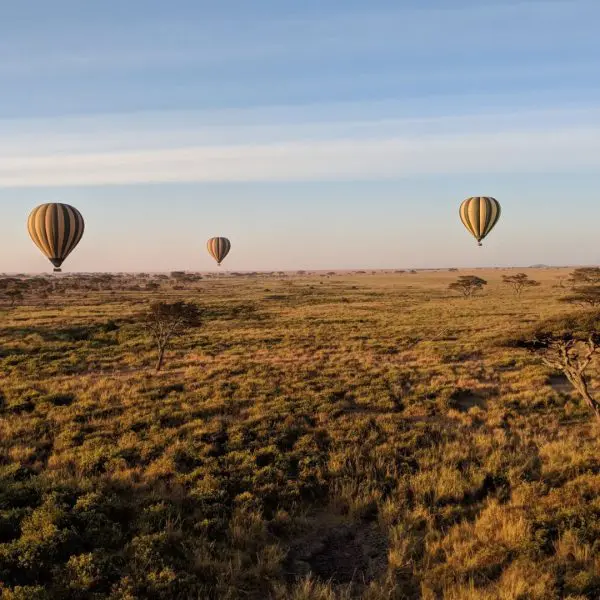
318 437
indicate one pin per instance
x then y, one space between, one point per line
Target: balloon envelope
479 214
56 229
218 248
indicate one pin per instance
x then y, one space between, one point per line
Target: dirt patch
560 384
342 553
464 400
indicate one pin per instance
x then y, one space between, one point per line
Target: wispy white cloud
325 142
565 149
266 125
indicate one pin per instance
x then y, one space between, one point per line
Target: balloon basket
58 270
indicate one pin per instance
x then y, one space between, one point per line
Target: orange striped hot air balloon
479 214
218 248
56 229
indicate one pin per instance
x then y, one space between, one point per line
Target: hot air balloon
56 229
218 248
479 215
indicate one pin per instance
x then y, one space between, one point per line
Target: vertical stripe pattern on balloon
479 215
56 229
218 248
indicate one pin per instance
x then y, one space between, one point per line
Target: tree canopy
468 285
519 282
576 326
588 295
585 276
568 344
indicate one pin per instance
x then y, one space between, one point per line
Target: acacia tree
588 295
14 296
519 282
585 284
585 276
568 344
468 285
166 321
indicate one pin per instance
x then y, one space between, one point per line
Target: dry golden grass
318 438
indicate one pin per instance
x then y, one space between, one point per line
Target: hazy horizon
332 135
348 270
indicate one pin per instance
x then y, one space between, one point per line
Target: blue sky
314 134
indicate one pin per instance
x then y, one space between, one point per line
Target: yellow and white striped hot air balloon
479 214
56 229
218 248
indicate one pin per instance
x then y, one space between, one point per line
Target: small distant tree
14 296
568 344
166 321
588 295
519 282
585 276
561 282
468 285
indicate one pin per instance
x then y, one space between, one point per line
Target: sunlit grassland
350 436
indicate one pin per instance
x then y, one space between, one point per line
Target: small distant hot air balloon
218 248
479 215
56 229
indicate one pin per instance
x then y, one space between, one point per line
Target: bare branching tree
166 321
468 285
14 296
519 282
568 344
561 281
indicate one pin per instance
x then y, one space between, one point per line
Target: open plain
355 435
